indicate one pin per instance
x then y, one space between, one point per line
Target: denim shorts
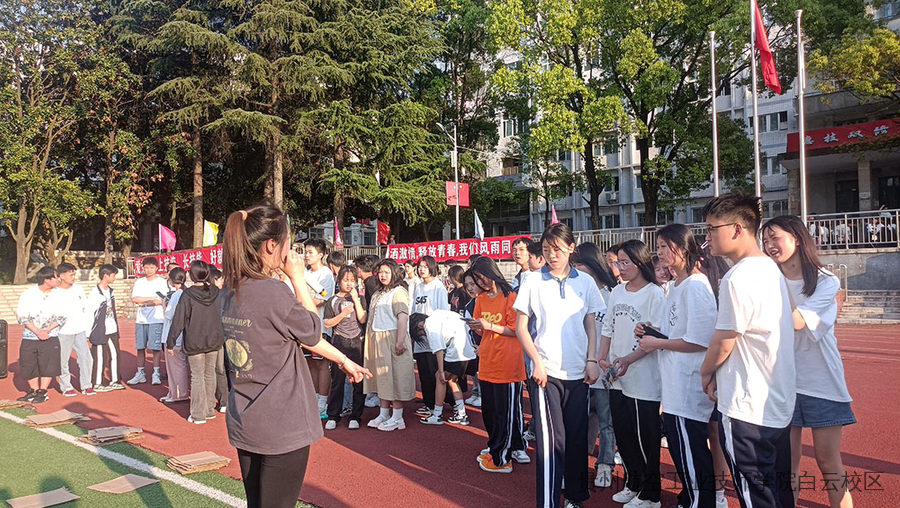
813 412
148 336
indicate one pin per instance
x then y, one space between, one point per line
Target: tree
866 63
62 214
44 49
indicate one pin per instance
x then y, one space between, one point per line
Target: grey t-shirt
272 406
348 327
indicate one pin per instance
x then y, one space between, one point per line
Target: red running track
435 466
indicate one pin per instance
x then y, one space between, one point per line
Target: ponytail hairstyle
806 248
679 236
245 233
486 267
199 271
177 275
639 254
590 255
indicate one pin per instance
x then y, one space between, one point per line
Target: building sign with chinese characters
182 258
499 247
845 135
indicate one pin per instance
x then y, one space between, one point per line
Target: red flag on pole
338 241
766 60
383 233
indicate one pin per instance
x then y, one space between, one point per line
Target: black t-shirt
459 298
371 286
271 385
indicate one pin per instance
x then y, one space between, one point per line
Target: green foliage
866 63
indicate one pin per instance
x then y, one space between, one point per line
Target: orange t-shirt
500 357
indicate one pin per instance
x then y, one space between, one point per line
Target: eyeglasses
710 229
623 264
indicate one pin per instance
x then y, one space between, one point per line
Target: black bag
4 346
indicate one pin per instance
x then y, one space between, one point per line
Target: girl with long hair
177 367
635 389
688 327
265 326
388 351
823 401
345 315
430 294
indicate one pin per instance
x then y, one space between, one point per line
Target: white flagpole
757 171
715 123
801 102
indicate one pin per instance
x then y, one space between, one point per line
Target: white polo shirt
757 383
691 316
559 307
144 288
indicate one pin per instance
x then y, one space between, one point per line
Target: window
614 186
697 214
610 221
611 149
637 179
771 122
773 167
641 219
510 127
776 208
665 218
563 155
510 166
888 10
726 87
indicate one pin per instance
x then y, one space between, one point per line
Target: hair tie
243 215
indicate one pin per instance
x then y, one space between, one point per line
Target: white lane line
193 486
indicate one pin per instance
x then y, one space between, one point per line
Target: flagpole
715 123
757 171
801 103
456 177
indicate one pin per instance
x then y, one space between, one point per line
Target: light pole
454 162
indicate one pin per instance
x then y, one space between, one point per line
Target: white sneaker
471 400
196 422
604 476
624 496
353 425
475 401
432 420
155 378
521 457
392 425
642 503
378 420
722 503
330 425
372 400
139 377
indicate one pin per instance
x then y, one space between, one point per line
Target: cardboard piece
124 484
54 497
61 417
197 462
6 404
110 435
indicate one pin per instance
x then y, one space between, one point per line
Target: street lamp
454 161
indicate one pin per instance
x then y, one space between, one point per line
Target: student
40 314
73 333
366 264
634 393
535 263
412 275
177 363
689 324
388 352
264 322
458 296
564 303
453 354
823 401
520 257
612 255
197 317
335 260
501 369
664 276
148 294
429 295
320 280
468 312
751 348
104 331
222 385
345 314
535 257
589 259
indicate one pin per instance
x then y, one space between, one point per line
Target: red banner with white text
183 258
499 247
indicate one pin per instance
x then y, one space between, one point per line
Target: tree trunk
23 247
278 175
594 188
546 205
108 230
649 186
197 201
126 250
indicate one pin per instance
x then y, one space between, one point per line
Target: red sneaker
89 391
70 393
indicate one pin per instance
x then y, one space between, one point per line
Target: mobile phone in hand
649 331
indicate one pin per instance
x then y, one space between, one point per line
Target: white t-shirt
446 330
691 316
428 298
40 309
321 283
627 309
96 297
72 305
757 382
559 307
820 371
144 288
382 310
170 313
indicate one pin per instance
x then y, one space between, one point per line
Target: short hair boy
39 351
336 259
72 334
104 331
148 295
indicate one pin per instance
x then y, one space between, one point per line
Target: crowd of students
619 351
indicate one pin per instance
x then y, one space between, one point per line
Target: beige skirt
392 375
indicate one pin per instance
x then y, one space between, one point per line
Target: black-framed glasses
710 229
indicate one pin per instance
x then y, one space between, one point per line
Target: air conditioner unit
612 197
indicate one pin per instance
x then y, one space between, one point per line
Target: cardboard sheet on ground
124 484
54 497
197 462
6 404
61 417
110 435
